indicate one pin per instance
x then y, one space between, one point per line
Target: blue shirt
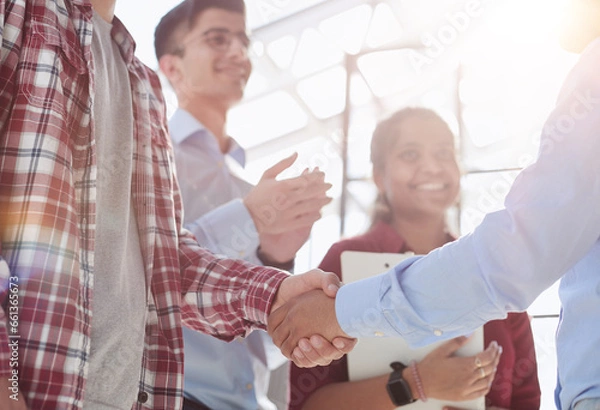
221 375
548 229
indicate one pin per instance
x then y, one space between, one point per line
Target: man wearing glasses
202 48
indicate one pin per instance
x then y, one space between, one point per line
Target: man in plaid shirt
90 222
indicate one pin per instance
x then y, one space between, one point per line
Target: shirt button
249 386
379 334
438 332
142 397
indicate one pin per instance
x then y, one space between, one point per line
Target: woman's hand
448 377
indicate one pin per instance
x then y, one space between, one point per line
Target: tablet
372 356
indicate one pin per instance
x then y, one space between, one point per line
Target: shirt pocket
50 67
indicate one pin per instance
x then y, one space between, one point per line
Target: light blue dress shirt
549 228
221 375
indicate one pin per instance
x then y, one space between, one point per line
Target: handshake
303 322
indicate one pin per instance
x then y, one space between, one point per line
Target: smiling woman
417 178
416 173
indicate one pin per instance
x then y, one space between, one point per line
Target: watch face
399 392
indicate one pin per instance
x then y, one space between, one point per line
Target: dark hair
385 136
181 19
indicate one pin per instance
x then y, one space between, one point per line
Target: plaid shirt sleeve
220 296
48 174
224 297
4 270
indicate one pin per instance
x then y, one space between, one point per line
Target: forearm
267 260
364 394
550 221
224 297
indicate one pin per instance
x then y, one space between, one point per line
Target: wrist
268 260
397 386
254 215
418 384
410 380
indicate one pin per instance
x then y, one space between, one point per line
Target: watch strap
397 387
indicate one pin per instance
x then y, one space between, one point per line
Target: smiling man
202 48
97 274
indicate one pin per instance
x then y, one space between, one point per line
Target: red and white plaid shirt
48 175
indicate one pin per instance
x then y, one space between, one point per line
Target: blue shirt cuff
378 307
358 310
228 230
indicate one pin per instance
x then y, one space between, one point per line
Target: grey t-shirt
119 301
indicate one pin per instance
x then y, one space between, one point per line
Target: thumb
328 282
278 168
451 346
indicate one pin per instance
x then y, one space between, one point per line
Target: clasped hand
303 323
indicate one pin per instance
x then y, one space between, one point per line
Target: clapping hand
284 211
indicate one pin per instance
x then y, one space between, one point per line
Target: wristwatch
397 387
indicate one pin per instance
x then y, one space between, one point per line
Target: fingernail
339 344
297 354
500 350
333 288
494 345
304 345
316 342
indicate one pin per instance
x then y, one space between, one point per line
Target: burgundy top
516 385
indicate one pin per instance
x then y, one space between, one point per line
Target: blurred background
326 71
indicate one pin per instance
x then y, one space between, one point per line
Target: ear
169 66
378 179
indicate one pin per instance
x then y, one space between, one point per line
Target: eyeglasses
219 39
